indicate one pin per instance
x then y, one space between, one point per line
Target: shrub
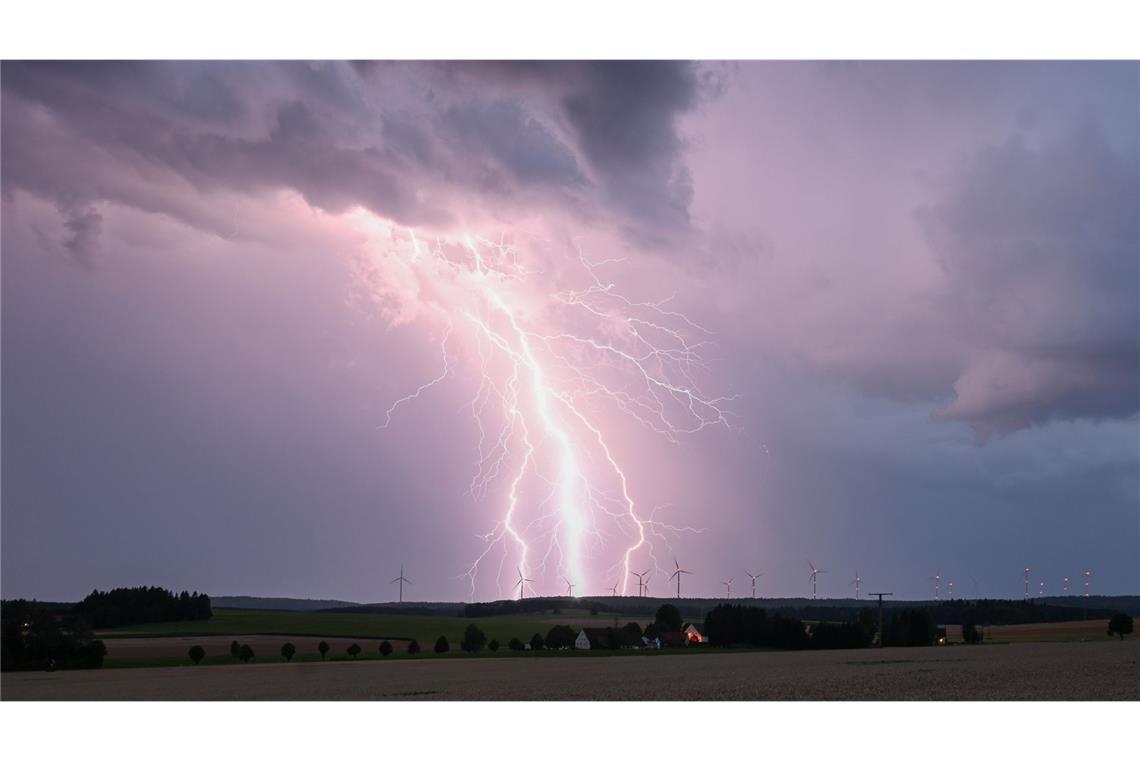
493 645
288 650
971 633
560 637
353 649
235 649
442 645
196 654
245 653
516 645
323 648
385 648
413 647
536 641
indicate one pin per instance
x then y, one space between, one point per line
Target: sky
280 329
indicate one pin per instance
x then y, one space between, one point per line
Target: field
424 628
1100 670
265 631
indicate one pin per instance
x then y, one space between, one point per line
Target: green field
424 628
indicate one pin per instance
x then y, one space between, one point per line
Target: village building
695 634
593 638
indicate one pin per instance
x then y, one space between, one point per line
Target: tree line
37 637
142 604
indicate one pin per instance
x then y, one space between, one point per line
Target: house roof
696 627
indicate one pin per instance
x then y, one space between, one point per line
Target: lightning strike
550 368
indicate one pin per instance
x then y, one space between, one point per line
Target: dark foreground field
1100 670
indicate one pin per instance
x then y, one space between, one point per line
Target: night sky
881 317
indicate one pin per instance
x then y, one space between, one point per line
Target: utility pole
881 594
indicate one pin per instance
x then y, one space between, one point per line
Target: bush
288 650
245 653
353 649
235 649
1120 624
536 641
473 639
323 648
493 645
385 648
196 654
413 647
516 645
441 645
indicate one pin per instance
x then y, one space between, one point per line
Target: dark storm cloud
1041 250
345 135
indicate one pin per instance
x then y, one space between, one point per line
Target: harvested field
1040 671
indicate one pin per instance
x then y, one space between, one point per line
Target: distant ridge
277 603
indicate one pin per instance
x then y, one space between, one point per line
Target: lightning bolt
548 364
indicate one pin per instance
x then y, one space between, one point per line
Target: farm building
593 638
696 634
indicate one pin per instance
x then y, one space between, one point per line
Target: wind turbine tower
613 590
1088 578
1041 589
728 588
937 585
569 586
641 584
754 577
858 584
1065 586
1027 584
401 580
950 591
813 575
677 574
521 585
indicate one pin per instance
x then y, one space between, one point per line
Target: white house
583 641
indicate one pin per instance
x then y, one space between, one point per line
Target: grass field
425 629
1078 630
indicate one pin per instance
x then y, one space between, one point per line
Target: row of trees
141 604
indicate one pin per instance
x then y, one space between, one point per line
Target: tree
323 648
536 641
473 639
631 634
288 650
516 645
560 637
245 653
668 619
971 633
385 648
235 649
353 649
1120 624
493 645
197 653
651 631
441 645
413 647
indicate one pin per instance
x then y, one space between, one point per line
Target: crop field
1100 670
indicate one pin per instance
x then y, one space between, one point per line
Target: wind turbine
677 574
1041 589
641 584
937 584
1066 586
521 585
401 580
613 590
858 584
812 575
950 585
753 577
1027 584
1088 577
569 586
728 588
